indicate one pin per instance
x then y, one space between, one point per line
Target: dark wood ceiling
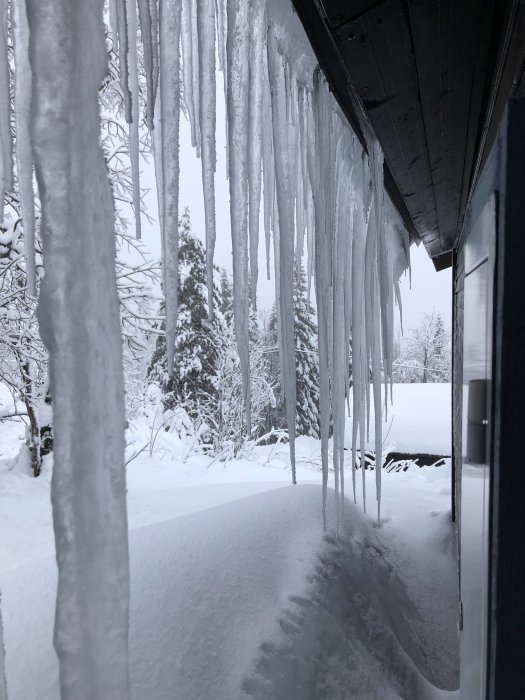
431 78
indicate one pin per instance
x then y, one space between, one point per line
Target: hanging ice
149 43
268 166
170 26
24 162
123 52
134 125
207 116
79 323
257 48
276 70
318 181
187 66
237 116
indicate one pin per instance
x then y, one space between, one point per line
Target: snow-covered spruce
197 339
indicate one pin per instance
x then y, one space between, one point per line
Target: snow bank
237 593
206 590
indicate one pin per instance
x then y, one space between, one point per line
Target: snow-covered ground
236 590
419 421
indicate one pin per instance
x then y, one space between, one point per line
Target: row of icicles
323 195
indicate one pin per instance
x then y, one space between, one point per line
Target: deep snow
236 590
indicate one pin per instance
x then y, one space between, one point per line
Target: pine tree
196 342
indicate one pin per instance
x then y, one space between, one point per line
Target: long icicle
154 15
268 167
207 105
318 167
237 117
147 44
24 161
188 67
78 316
123 52
257 47
134 143
170 24
195 54
286 232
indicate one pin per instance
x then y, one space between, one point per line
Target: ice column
134 125
169 88
24 163
79 322
285 199
149 43
207 116
237 116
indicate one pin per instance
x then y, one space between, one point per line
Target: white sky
429 289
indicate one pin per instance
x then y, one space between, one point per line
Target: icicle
134 144
195 54
286 231
158 162
319 145
268 166
222 27
24 162
207 102
147 43
339 356
221 33
374 340
187 67
257 47
399 303
6 145
154 15
312 188
384 284
3 682
310 240
79 322
123 46
277 278
301 205
360 322
237 117
169 54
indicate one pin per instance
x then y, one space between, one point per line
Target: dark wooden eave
431 78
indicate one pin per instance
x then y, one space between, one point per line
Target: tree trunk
36 457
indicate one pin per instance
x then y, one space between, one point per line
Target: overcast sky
429 290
